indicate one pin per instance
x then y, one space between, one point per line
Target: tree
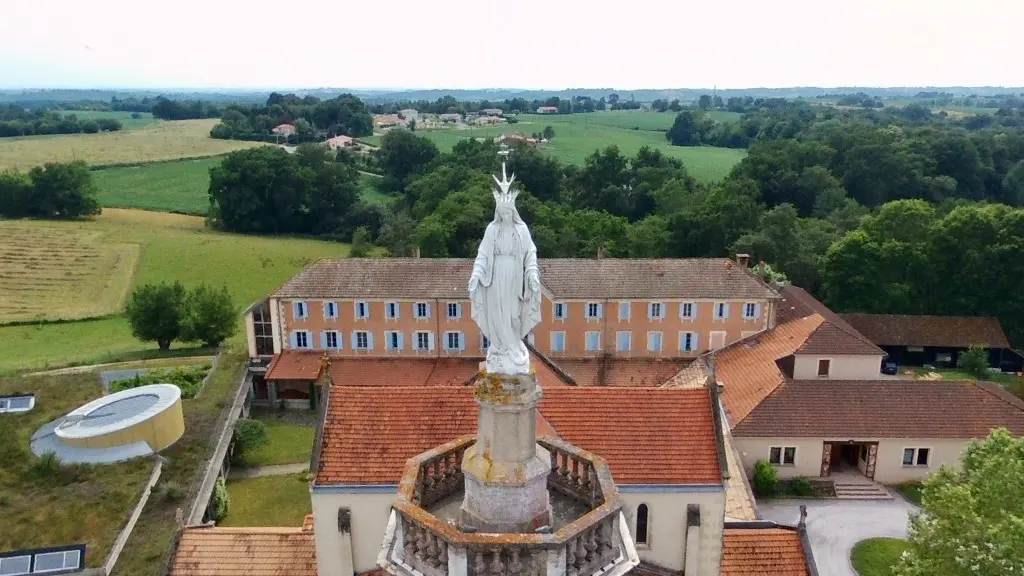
689 129
1013 183
704 102
249 434
360 243
209 316
402 154
549 132
972 522
62 191
396 233
15 191
974 361
155 313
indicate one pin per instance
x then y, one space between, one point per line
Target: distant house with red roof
284 130
547 110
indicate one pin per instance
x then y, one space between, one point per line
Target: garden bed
189 378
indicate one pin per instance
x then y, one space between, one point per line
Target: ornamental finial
504 193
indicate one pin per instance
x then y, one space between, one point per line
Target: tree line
313 119
53 191
515 105
18 121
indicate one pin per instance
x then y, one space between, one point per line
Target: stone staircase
861 491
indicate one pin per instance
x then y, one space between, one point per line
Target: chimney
761 269
743 260
416 252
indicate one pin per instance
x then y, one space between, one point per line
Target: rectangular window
686 310
593 310
687 341
15 565
55 561
721 310
301 339
654 341
559 310
331 339
622 341
916 456
422 310
362 340
654 310
789 455
775 455
391 310
624 310
484 342
593 341
362 310
750 310
453 340
330 309
423 340
824 366
393 340
558 341
782 455
301 309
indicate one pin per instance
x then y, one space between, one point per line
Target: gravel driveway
833 527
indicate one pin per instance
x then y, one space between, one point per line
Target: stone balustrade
572 474
440 475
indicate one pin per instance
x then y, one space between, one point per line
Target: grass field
877 556
287 443
158 141
173 247
61 273
911 491
268 501
127 122
73 504
579 135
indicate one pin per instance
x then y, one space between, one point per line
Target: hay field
159 141
172 247
52 274
127 122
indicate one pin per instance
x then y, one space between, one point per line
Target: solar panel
14 565
22 403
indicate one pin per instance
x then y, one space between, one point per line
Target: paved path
277 470
835 526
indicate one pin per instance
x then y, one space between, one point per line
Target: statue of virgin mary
504 287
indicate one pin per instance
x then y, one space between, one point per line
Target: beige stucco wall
250 335
889 468
369 516
843 367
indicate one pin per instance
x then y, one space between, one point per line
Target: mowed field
127 122
157 141
180 186
171 247
579 135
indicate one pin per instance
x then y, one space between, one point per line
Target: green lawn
179 186
287 444
876 556
74 504
956 374
127 122
174 247
369 192
911 491
268 501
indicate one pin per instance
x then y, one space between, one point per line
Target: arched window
642 525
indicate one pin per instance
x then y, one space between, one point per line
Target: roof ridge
247 529
1003 394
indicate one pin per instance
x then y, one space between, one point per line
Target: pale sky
549 44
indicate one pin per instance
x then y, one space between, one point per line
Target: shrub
221 500
249 434
766 479
209 316
188 378
974 361
801 486
170 491
49 469
47 466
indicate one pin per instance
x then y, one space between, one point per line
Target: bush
974 361
209 316
188 378
221 500
801 486
171 491
766 479
249 434
48 468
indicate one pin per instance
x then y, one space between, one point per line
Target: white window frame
650 311
644 542
661 341
596 308
597 341
64 561
392 306
554 338
366 337
817 368
629 341
458 310
328 313
556 306
917 454
366 309
693 311
397 335
695 344
416 340
782 455
307 336
754 314
337 339
5 404
721 311
301 309
725 338
459 340
416 310
628 307
27 557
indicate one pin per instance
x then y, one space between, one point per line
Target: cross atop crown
504 193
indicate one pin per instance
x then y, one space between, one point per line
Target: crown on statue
504 194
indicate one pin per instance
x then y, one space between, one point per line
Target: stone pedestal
506 471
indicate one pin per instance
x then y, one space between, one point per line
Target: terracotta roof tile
438 371
245 552
369 436
835 336
563 277
884 409
295 365
762 552
621 371
944 331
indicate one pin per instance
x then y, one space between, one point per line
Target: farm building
408 114
936 340
492 111
547 110
453 117
386 120
284 130
488 120
340 141
517 137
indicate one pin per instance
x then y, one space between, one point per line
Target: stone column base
502 497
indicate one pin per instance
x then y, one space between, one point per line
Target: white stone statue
505 285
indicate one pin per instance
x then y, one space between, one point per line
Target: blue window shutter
600 310
355 342
401 341
323 339
292 341
428 309
725 310
693 310
696 341
369 340
462 341
431 341
757 310
341 340
458 310
295 310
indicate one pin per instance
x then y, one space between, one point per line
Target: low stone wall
122 537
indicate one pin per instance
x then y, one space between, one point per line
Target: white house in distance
284 130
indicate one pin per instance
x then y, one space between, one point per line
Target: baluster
590 543
438 474
410 540
604 535
442 556
515 567
479 566
428 483
554 461
570 559
432 550
421 543
564 470
575 475
581 554
497 568
449 471
588 471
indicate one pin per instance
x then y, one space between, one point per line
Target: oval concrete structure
151 414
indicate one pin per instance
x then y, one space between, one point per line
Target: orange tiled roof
245 552
295 365
437 371
621 371
834 336
763 552
747 369
368 436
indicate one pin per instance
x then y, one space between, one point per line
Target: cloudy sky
513 43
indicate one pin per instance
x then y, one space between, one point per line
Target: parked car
890 366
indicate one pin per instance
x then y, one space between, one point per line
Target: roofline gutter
623 488
716 415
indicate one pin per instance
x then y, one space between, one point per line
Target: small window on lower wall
824 367
642 525
782 455
916 456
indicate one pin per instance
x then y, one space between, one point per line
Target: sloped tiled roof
295 365
942 331
834 336
777 551
368 436
747 368
438 371
564 277
621 371
884 409
211 551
